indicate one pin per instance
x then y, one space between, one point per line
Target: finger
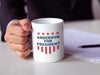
16 39
26 24
16 28
23 54
19 47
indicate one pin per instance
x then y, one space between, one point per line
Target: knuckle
6 38
23 39
21 55
22 48
16 22
28 43
22 32
27 33
8 29
10 46
19 30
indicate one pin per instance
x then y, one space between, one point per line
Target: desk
11 64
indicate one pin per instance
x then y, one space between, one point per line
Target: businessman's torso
65 9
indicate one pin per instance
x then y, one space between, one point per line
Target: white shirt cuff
11 22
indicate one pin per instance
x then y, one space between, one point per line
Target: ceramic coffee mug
47 36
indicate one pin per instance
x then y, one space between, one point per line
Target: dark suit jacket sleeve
9 10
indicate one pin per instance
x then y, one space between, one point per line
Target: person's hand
16 36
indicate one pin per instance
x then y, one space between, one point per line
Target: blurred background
96 9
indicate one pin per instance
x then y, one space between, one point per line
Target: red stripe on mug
53 48
45 50
41 49
58 47
38 47
49 50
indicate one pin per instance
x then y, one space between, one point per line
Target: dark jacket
65 9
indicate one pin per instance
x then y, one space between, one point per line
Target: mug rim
54 21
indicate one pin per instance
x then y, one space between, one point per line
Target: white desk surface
11 64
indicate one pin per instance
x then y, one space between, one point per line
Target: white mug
47 37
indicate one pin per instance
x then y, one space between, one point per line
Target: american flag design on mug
49 43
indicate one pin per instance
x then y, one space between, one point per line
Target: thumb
26 24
